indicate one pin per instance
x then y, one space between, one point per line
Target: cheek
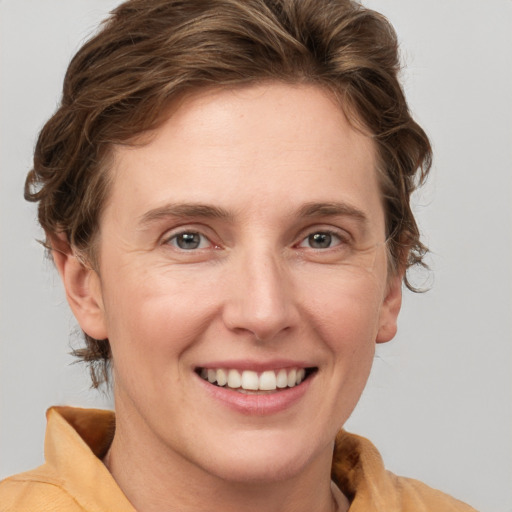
345 319
345 310
151 318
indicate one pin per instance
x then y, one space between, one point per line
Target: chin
263 461
263 471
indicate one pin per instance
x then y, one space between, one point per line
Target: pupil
320 240
188 241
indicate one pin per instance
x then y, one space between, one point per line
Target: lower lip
254 404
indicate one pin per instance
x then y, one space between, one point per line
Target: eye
321 240
189 240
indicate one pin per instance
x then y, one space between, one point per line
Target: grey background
438 404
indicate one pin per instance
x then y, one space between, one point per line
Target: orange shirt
74 479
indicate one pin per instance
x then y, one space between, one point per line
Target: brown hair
150 51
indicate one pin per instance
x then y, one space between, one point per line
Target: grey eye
187 241
320 240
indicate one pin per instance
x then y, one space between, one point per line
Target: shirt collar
77 440
72 434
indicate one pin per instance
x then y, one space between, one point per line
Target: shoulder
35 491
415 496
359 471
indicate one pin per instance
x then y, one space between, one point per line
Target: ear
390 309
82 285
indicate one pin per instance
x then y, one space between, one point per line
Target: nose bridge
261 299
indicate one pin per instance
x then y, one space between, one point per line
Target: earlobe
390 309
82 286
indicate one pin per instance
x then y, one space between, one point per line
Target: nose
260 300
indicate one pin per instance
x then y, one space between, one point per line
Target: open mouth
248 381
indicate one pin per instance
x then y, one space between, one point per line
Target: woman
225 193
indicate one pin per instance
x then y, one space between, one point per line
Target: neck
164 481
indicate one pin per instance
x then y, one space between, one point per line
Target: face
243 281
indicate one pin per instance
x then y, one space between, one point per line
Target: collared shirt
74 478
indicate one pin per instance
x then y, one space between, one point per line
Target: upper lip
254 365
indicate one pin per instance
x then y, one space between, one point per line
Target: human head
150 53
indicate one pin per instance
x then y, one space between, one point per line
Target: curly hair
150 51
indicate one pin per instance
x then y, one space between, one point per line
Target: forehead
253 146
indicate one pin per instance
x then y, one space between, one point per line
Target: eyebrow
332 209
184 210
198 210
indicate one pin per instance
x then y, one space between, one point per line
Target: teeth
282 379
234 379
250 380
292 378
222 378
267 381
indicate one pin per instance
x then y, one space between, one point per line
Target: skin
255 290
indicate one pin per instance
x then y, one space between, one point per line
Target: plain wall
438 404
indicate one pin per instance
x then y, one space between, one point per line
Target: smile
249 381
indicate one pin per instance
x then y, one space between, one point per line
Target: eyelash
341 240
173 240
